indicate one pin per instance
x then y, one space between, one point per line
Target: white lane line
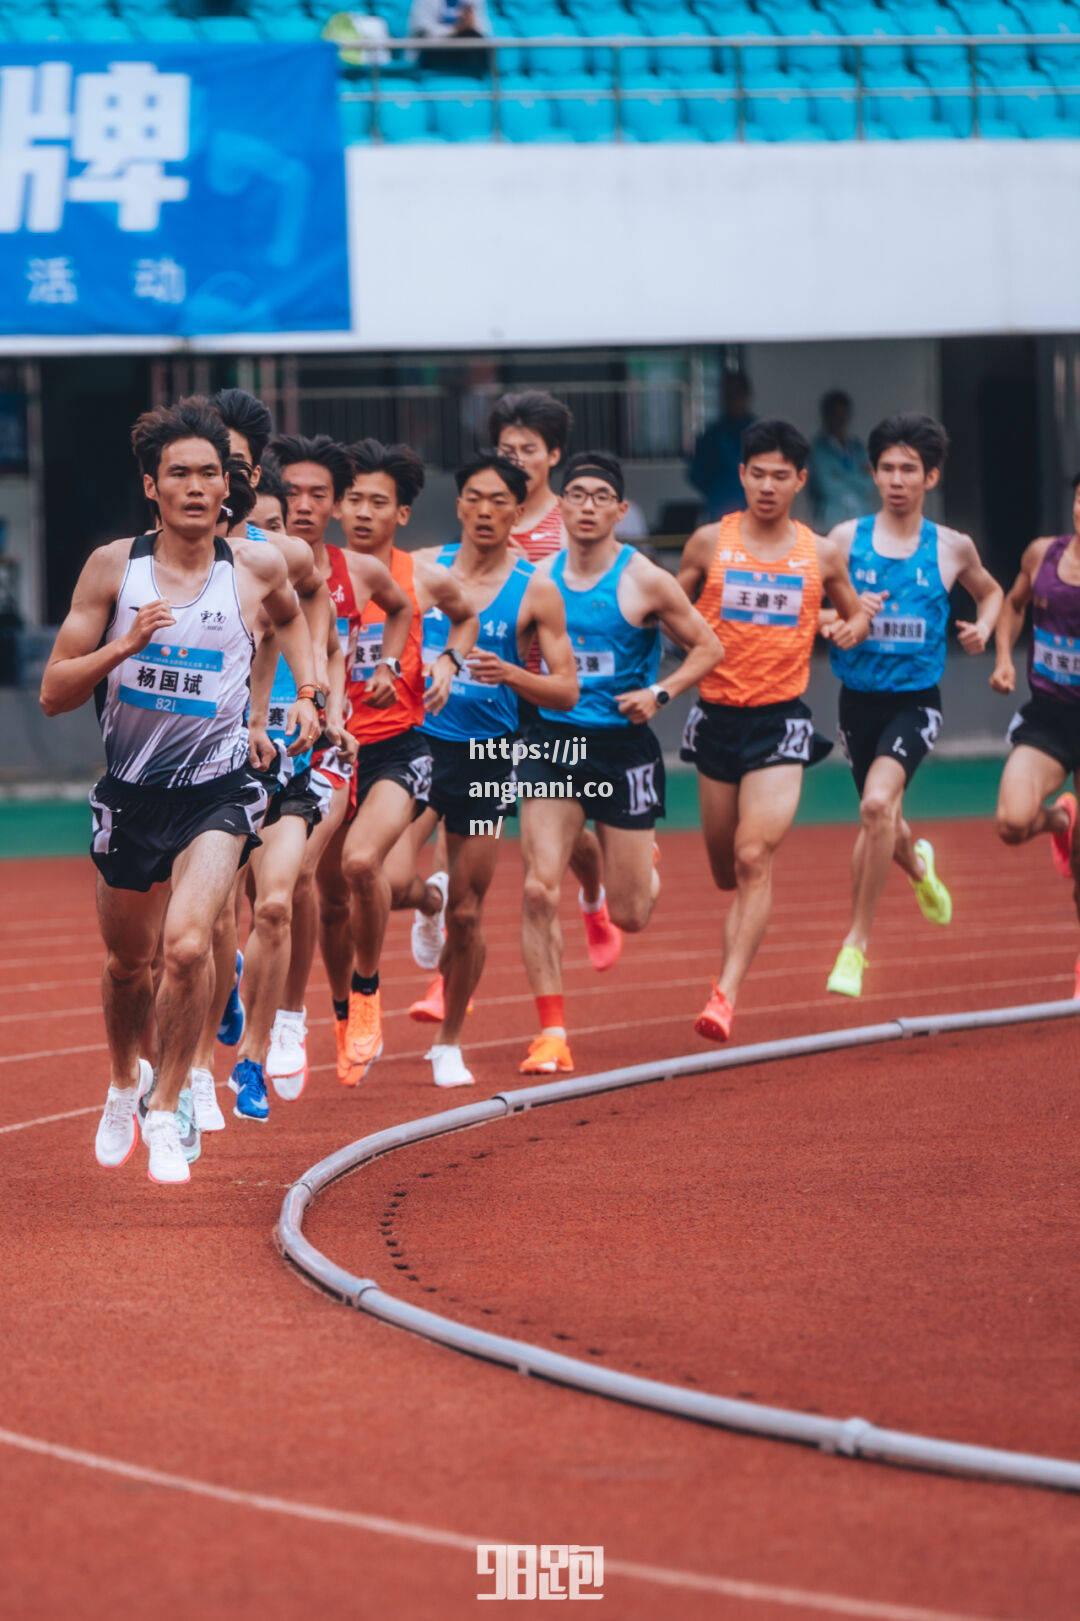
50 1119
432 1536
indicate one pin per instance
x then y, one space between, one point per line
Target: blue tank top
905 651
283 691
475 710
611 654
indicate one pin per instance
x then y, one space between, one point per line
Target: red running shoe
1061 843
602 938
431 1007
715 1020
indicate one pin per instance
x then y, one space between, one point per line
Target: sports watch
661 694
316 695
455 658
393 665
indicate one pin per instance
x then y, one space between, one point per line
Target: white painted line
433 1537
50 1119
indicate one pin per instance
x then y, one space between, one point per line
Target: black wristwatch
316 694
661 694
393 665
455 658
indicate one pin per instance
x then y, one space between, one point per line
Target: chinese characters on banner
159 191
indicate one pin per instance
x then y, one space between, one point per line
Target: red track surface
887 1232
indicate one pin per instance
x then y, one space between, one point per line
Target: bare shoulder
1031 561
649 577
541 595
265 563
956 541
842 535
103 570
426 561
699 549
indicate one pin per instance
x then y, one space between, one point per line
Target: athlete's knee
878 811
1012 825
273 912
187 951
360 867
124 964
753 859
540 899
463 919
630 913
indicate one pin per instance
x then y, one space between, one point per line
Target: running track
890 1233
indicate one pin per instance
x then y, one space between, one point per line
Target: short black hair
543 413
247 416
771 435
241 497
272 484
511 474
920 433
598 464
399 462
191 418
833 398
290 448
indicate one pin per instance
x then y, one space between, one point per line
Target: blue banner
171 191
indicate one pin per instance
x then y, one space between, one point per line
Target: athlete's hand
487 668
873 602
1003 677
848 633
379 692
973 638
262 750
306 717
638 706
151 618
442 673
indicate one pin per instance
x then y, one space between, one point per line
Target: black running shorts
727 741
902 726
139 832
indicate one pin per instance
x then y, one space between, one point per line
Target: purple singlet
1054 656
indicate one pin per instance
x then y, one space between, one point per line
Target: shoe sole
168 1182
711 1029
118 1164
843 990
289 1097
258 1119
423 1014
356 1072
446 1085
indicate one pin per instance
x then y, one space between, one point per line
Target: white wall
470 246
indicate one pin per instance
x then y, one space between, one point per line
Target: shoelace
290 1037
202 1090
118 1110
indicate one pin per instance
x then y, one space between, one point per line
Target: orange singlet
369 725
766 615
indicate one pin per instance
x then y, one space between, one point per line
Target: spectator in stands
451 19
714 467
840 486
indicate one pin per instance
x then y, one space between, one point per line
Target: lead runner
161 631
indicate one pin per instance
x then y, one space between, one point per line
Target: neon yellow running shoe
935 902
846 977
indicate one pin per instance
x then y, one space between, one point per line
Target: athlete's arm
853 626
282 609
373 582
310 587
666 601
261 750
436 587
78 663
543 613
696 559
1013 612
334 728
980 584
844 534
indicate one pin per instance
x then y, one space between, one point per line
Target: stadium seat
681 61
760 61
468 117
166 28
589 116
995 17
633 59
794 19
1060 62
356 121
523 116
835 114
714 117
650 113
401 118
1031 110
783 117
510 59
939 62
101 28
901 111
555 62
862 17
37 28
234 30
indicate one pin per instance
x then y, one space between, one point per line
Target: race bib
173 680
594 662
753 598
343 636
896 633
1057 658
368 651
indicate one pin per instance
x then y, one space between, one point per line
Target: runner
904 567
161 632
474 735
359 883
534 430
1045 733
760 577
600 759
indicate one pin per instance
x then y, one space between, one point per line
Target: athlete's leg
203 876
305 908
633 882
719 805
224 952
277 866
1029 776
472 867
768 800
586 864
130 925
408 890
876 844
381 820
549 829
335 937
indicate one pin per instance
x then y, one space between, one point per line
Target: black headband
578 470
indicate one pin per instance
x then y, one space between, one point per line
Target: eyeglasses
577 497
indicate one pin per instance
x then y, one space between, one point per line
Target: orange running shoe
1061 843
341 1030
547 1055
363 1035
715 1020
431 1008
603 939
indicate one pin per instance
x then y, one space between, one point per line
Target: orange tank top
369 725
765 614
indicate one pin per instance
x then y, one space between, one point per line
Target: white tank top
175 715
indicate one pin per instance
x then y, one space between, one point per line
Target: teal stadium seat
806 60
229 30
866 19
524 114
166 28
995 17
101 28
650 113
38 28
1061 63
834 112
356 119
897 107
555 62
588 116
783 117
761 61
715 118
678 61
941 62
287 27
468 117
633 60
403 119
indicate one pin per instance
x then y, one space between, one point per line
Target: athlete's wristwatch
316 694
661 694
455 658
393 665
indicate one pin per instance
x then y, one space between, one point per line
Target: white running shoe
429 933
161 1134
286 1061
208 1115
448 1067
118 1128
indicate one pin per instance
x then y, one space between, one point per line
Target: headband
578 470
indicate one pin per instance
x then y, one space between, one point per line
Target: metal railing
975 51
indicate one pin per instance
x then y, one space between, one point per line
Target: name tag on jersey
895 633
753 598
1057 658
173 680
594 663
343 636
368 652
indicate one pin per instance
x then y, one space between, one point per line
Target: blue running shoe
247 1082
234 1018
